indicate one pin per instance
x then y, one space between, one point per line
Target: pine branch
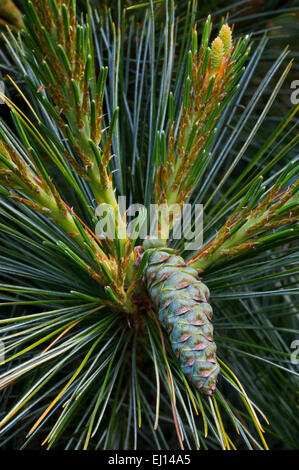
211 80
260 218
32 186
55 39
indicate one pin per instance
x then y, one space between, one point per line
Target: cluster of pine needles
154 103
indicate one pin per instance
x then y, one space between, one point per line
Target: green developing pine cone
181 300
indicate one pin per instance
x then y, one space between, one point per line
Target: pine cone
181 300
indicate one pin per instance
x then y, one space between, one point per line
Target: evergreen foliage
149 101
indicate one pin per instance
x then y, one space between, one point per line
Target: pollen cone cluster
182 304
